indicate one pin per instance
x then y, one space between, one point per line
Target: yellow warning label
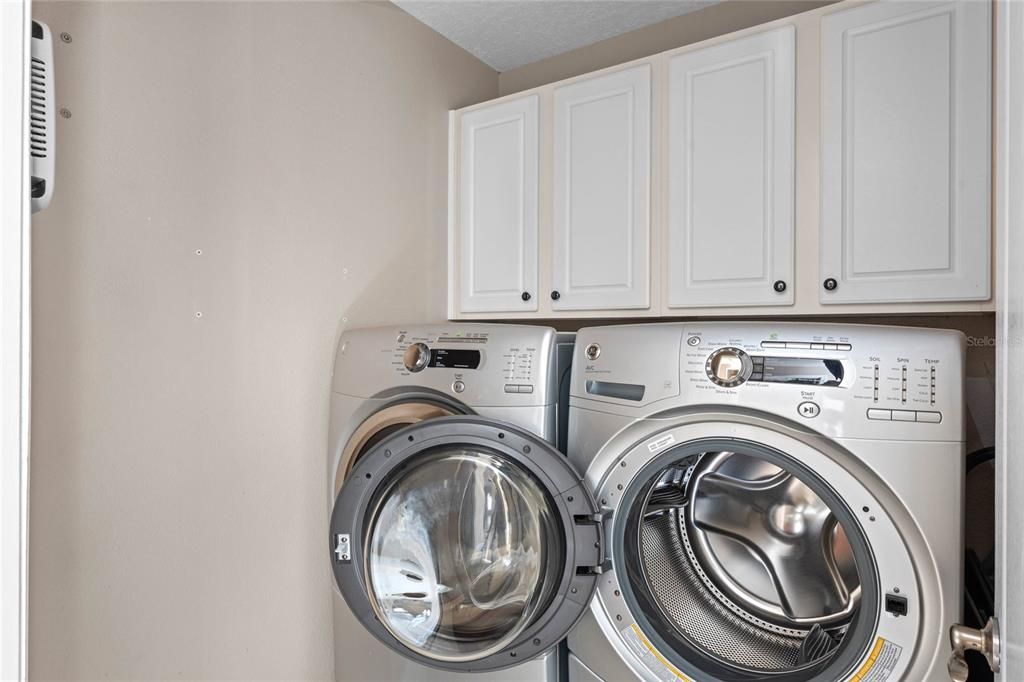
650 657
880 663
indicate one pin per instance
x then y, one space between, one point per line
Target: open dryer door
466 544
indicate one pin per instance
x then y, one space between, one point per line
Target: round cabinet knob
779 286
526 296
416 357
555 296
728 367
830 284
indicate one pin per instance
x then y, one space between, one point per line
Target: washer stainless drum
780 501
461 538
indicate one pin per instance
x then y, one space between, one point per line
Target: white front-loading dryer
461 539
780 501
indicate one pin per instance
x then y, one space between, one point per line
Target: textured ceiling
508 33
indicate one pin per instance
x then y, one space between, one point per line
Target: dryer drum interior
748 564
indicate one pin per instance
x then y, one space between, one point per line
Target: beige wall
178 500
729 16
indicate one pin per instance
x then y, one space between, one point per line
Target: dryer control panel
478 364
843 380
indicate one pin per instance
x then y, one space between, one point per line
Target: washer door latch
603 567
342 547
962 639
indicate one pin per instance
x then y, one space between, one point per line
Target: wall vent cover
42 131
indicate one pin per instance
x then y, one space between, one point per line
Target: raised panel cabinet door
602 170
906 156
731 172
497 204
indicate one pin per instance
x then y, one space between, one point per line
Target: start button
808 410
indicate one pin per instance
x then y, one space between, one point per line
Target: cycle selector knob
416 357
728 367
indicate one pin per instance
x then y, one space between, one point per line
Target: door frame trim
15 330
1009 245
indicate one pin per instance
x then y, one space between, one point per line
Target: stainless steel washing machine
779 501
453 516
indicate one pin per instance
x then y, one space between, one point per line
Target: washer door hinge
963 639
342 551
599 521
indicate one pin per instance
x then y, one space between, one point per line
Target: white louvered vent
39 135
41 131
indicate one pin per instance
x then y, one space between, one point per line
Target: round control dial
416 357
728 367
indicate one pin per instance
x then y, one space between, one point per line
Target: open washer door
466 544
743 550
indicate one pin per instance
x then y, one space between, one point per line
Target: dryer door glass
466 544
748 565
463 549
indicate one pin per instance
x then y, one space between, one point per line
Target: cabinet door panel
906 152
731 173
497 229
602 160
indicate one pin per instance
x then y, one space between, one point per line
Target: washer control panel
844 380
731 360
478 363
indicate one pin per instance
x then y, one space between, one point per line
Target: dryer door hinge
985 641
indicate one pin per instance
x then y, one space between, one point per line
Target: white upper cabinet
841 155
601 194
731 173
906 157
498 207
